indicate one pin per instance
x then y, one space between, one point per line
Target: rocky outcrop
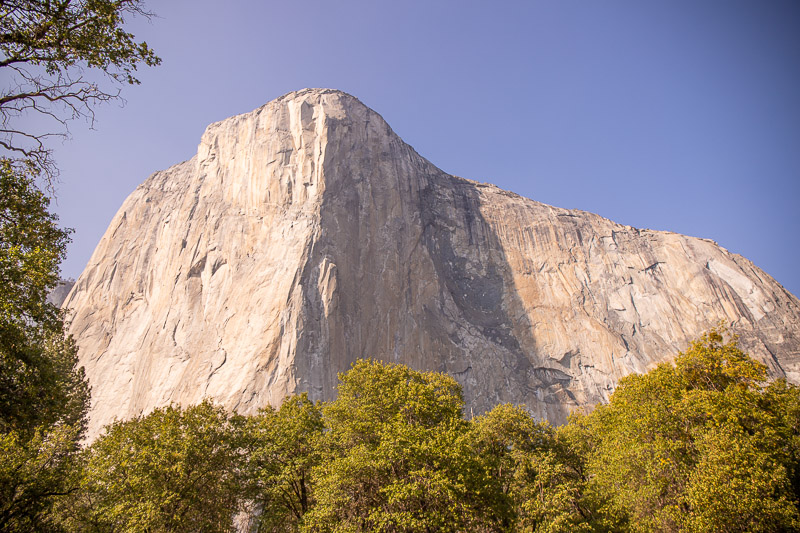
60 292
305 235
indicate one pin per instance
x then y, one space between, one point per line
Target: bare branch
45 50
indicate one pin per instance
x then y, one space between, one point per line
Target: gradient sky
679 115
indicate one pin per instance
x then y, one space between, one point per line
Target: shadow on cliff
476 275
405 268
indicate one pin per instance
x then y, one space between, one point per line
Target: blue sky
679 115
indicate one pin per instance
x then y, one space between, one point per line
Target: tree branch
46 47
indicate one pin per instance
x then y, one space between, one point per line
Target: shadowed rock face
305 235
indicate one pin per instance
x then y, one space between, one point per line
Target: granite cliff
306 234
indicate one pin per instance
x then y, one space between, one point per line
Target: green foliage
33 472
39 381
371 394
283 447
535 478
172 470
395 457
31 248
43 395
59 34
46 48
699 446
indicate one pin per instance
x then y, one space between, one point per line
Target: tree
395 457
48 52
283 447
35 471
704 445
39 381
172 470
43 395
535 481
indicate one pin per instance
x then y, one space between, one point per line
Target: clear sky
679 115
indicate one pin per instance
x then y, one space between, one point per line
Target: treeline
703 444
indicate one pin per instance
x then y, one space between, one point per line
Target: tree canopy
394 458
43 394
172 470
701 445
51 52
39 381
283 446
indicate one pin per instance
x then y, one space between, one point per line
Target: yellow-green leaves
394 458
172 470
709 364
702 445
35 469
282 447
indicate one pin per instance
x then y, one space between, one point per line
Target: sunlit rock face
306 234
